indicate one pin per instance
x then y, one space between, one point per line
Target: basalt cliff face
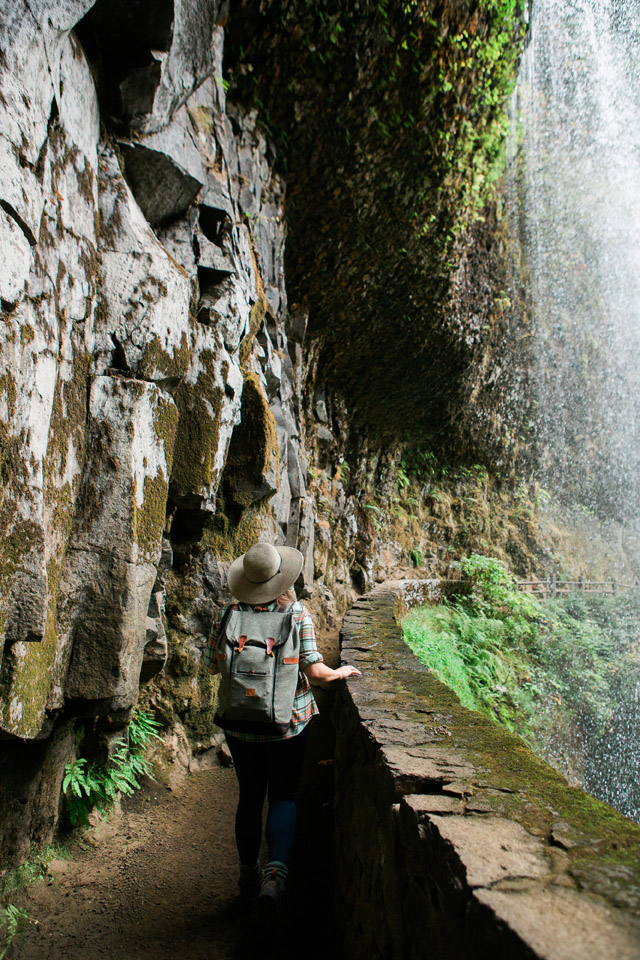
165 402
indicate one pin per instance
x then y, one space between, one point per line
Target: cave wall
165 401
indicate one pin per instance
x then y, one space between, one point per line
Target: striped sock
280 868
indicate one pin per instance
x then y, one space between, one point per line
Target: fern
13 923
143 729
89 786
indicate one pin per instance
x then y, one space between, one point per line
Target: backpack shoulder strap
225 617
296 606
294 626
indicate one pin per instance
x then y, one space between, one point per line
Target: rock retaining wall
453 839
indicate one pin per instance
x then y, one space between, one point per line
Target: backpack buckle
270 643
241 642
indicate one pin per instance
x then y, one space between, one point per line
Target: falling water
612 769
575 168
574 186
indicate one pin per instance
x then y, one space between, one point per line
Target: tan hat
264 572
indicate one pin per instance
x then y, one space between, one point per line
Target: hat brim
247 592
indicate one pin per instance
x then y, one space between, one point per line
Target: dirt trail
159 881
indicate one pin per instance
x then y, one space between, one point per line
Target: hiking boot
270 896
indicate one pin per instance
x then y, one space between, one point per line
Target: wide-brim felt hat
264 572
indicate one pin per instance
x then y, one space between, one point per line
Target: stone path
159 881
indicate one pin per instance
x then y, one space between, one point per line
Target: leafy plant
13 923
533 666
494 590
419 463
403 479
143 728
88 786
474 656
416 557
376 512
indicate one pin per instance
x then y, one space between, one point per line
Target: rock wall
453 839
390 118
162 404
151 375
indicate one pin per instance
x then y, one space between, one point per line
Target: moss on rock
28 678
156 361
9 391
198 430
257 315
165 422
257 448
149 519
390 124
227 540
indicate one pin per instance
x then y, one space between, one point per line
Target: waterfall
573 188
574 171
612 772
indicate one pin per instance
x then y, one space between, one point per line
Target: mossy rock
198 431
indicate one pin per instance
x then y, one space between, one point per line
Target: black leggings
274 765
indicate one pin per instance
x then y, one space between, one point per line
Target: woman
261 580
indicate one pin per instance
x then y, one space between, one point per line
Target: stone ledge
454 840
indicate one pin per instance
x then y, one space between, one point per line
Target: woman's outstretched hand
348 671
322 675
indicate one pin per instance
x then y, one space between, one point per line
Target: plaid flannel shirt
304 704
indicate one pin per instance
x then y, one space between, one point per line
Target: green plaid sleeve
309 652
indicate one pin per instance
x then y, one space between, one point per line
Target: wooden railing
553 587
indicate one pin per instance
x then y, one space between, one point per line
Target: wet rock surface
480 849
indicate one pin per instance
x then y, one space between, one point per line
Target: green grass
534 667
476 657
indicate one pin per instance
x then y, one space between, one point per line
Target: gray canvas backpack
259 662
